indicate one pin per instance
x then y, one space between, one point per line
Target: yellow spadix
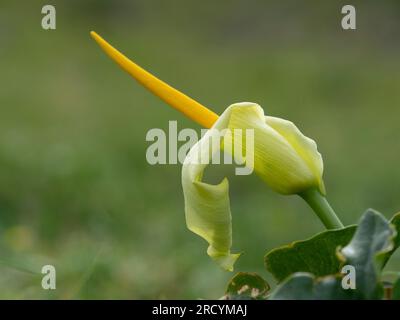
176 99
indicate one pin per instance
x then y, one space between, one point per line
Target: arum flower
284 158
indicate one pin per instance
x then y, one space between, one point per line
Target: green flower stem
322 208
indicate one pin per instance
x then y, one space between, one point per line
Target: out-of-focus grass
76 190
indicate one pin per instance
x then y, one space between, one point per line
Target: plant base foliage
312 269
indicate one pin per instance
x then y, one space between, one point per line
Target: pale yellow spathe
284 158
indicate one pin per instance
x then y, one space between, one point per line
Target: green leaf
366 251
298 286
316 255
395 222
247 286
304 286
396 290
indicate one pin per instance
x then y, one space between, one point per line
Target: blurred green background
75 188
